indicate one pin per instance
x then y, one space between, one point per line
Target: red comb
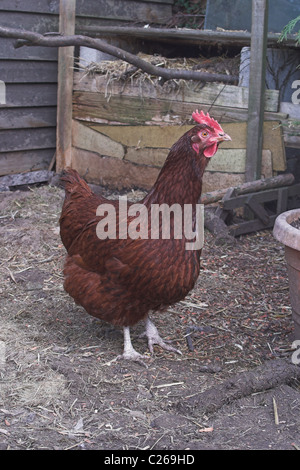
206 119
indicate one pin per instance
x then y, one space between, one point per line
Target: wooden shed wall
28 119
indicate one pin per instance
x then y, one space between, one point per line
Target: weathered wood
24 71
230 157
257 88
261 197
86 138
9 52
27 118
65 86
267 376
120 10
20 139
218 228
113 172
26 95
136 110
21 179
260 218
83 7
29 38
25 160
258 210
248 187
188 36
218 94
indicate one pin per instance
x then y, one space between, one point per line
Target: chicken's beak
222 137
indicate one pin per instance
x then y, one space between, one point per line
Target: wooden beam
65 87
257 86
185 36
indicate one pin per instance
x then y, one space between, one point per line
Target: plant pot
285 233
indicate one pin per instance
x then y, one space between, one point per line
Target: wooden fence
28 118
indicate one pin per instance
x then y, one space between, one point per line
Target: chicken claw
129 352
154 338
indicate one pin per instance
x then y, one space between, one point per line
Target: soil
296 223
61 386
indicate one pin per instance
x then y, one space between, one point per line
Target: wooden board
27 118
30 160
112 171
210 93
230 153
129 110
24 71
129 10
89 139
30 95
21 139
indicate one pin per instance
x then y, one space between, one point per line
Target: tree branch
29 38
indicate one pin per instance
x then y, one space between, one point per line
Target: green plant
289 28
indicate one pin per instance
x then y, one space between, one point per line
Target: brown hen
120 278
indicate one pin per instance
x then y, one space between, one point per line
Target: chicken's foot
129 352
154 338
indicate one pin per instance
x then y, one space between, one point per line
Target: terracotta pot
290 236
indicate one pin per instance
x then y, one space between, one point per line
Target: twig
30 38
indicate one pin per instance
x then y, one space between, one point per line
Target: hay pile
121 71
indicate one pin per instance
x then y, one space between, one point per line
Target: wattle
211 150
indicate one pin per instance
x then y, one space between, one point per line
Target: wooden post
257 86
65 87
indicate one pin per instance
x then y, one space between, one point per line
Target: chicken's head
209 134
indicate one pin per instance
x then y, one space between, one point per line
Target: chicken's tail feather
72 182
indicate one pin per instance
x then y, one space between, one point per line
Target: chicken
120 278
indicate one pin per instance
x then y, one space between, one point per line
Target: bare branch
29 38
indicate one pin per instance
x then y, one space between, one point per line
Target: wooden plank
188 36
258 210
112 171
27 118
24 71
250 187
262 197
21 179
138 136
21 139
40 6
31 20
95 107
65 86
29 95
132 11
7 51
218 94
250 226
89 139
147 156
30 160
257 88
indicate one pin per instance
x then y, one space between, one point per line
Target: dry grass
60 387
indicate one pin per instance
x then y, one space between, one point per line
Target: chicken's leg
154 338
129 351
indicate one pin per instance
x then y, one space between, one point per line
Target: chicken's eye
204 134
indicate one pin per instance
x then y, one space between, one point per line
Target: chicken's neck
180 179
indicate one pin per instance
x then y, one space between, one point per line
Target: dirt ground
61 387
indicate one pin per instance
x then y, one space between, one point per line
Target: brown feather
120 281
